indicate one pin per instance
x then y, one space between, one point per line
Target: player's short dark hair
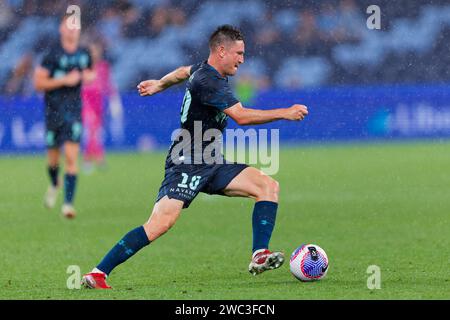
223 34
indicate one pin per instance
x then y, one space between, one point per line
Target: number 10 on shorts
195 180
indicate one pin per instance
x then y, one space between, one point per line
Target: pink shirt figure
94 96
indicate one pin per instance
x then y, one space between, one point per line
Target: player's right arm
43 81
246 116
151 87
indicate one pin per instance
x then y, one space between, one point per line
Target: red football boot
265 259
94 280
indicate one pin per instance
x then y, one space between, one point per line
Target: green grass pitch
380 204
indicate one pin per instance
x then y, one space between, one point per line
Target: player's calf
164 216
268 189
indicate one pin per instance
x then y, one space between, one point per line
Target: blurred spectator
8 19
131 20
351 20
157 21
47 8
275 31
110 24
306 37
269 42
245 89
328 22
177 17
6 15
247 86
28 8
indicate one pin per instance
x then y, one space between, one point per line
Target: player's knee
71 161
53 163
71 166
274 188
156 230
167 221
53 159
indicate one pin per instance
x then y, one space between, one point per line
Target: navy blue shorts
185 181
68 131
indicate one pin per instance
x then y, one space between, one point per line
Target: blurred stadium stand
290 44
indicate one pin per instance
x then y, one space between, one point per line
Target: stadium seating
283 42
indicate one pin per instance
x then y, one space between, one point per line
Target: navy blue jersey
64 104
208 94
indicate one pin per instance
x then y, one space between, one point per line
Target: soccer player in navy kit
207 104
59 76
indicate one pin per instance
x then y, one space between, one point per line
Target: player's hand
73 78
149 87
296 112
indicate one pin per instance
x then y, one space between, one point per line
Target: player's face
69 33
233 57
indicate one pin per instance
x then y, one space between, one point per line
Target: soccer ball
309 262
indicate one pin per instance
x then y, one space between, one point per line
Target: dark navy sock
131 243
70 182
263 221
53 173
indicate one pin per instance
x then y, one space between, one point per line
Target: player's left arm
151 87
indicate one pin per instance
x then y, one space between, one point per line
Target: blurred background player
94 94
59 76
